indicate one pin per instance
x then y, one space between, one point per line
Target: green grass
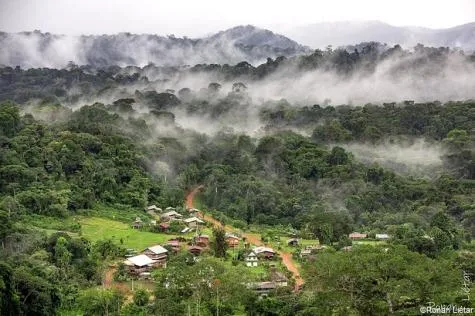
370 242
96 228
120 213
285 247
50 224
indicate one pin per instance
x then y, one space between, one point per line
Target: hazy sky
196 18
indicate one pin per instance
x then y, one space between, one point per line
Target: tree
61 254
219 243
9 119
141 297
100 302
375 281
9 304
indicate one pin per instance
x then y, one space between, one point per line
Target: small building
251 259
195 250
305 253
192 222
347 248
137 223
202 240
278 278
293 242
232 240
158 254
356 235
153 222
168 209
138 264
264 252
164 227
174 245
154 208
263 288
171 215
382 236
193 210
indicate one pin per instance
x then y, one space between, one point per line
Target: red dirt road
250 237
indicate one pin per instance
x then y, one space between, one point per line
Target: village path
252 238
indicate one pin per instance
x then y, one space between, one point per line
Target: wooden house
171 215
202 240
158 254
232 240
138 264
264 252
193 222
174 245
195 250
356 235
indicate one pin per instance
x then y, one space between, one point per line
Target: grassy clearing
370 242
96 228
51 224
119 213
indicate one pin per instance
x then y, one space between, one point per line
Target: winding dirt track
250 237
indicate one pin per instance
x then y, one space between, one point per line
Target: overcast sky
200 17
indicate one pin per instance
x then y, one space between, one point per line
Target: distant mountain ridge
241 43
320 35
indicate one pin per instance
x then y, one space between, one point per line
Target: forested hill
37 49
276 156
369 72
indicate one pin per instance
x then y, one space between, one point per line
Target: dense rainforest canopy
79 139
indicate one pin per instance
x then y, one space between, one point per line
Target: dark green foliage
219 243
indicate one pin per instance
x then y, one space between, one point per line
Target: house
232 240
192 222
158 254
293 242
137 223
347 248
193 210
171 215
164 227
356 235
154 208
202 240
168 209
382 236
263 288
251 259
305 253
278 278
264 252
153 222
138 264
174 245
195 250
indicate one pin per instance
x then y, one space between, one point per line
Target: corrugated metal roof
140 260
193 219
157 249
260 249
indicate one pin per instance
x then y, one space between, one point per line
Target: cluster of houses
358 236
169 215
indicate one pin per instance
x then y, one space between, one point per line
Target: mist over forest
102 137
